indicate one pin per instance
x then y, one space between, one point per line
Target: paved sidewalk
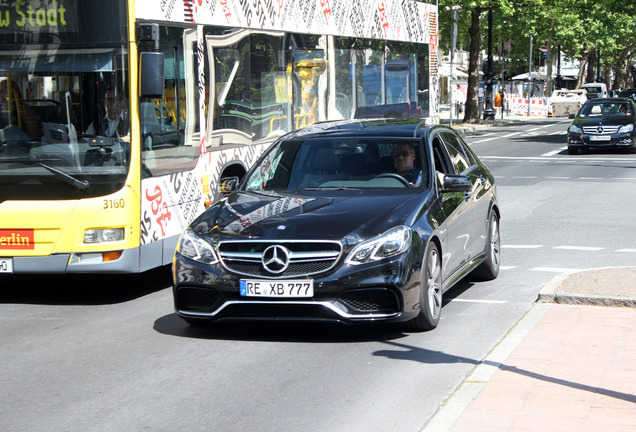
568 365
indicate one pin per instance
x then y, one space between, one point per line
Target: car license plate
277 288
6 265
600 138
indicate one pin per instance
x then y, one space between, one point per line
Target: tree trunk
548 67
585 53
591 63
471 112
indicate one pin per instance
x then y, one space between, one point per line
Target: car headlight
391 243
194 247
626 128
576 129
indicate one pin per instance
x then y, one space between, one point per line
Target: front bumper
616 141
384 291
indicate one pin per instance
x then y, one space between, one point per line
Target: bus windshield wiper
82 185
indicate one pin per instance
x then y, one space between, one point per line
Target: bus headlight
104 235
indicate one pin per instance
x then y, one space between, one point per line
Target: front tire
430 292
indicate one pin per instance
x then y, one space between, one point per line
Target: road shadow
82 289
279 331
401 351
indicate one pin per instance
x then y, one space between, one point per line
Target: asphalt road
108 353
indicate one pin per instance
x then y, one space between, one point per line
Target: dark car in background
630 93
604 124
323 228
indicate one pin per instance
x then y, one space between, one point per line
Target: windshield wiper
330 188
82 185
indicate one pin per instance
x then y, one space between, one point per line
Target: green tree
582 28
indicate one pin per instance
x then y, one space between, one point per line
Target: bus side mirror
151 75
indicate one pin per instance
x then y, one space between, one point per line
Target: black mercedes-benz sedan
351 222
604 124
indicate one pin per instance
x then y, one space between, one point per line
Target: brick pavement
566 366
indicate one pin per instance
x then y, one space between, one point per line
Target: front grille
600 130
299 257
370 300
278 311
194 299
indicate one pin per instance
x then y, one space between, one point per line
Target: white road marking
484 140
521 246
625 250
564 159
480 301
557 269
511 134
579 248
507 267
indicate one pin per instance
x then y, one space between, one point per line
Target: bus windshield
64 124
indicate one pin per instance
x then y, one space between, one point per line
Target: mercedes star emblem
275 259
599 129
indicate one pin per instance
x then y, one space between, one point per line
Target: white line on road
553 152
480 301
507 267
511 134
623 250
580 248
484 140
557 269
522 246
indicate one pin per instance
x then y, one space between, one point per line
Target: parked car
604 123
595 90
158 127
324 227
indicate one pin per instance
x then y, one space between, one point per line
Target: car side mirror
228 185
456 183
571 116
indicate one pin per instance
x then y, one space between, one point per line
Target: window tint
461 158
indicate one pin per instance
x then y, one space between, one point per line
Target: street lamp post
452 57
489 111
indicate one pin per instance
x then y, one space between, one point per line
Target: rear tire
430 292
489 268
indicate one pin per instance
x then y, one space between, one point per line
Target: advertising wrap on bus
101 172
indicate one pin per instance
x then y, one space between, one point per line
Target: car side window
461 158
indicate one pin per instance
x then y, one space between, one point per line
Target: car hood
611 120
355 215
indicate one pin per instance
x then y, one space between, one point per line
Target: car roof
610 100
399 128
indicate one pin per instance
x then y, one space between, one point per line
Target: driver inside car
404 162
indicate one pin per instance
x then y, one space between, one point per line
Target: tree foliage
595 33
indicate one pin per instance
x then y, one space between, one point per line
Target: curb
554 292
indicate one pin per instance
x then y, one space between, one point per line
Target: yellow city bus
119 118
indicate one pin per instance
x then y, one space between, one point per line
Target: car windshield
330 163
605 109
